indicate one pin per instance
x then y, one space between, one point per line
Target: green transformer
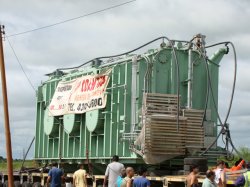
138 114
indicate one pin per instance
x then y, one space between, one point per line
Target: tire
17 184
26 184
36 184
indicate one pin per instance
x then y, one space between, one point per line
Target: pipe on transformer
217 56
190 79
133 93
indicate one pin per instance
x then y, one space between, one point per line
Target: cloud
113 32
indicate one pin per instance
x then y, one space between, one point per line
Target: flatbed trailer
37 179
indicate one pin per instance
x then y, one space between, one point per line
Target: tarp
80 95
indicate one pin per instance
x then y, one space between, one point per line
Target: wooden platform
162 135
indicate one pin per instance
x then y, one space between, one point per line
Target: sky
111 32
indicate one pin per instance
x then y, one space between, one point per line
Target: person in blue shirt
55 176
141 181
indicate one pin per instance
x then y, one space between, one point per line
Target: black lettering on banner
79 107
88 105
100 102
93 103
71 106
64 88
84 106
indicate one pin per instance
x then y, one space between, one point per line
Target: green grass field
17 165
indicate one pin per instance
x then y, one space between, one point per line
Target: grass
17 165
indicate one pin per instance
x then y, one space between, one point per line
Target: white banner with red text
80 95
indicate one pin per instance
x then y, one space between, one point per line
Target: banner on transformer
80 95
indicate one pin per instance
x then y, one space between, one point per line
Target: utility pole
6 112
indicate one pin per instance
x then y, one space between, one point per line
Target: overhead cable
20 64
133 50
71 19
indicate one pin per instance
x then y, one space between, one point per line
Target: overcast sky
111 32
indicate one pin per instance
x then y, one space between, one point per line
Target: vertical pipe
6 113
61 127
39 134
133 93
190 79
80 144
118 110
125 105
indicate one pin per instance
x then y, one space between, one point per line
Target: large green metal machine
143 120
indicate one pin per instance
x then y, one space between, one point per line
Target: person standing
121 177
141 181
220 179
127 181
244 180
79 177
226 167
209 180
238 165
192 178
112 172
55 176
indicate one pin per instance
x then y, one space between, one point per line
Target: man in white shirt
112 172
220 179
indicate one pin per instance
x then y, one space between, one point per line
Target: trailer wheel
5 184
17 184
36 184
26 184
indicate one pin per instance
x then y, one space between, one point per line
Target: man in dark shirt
55 176
141 181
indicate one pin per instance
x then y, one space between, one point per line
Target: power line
71 19
20 64
30 83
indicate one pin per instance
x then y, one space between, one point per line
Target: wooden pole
6 112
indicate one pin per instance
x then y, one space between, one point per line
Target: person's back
79 178
209 180
120 178
208 183
220 174
192 178
55 175
127 181
217 172
114 170
141 182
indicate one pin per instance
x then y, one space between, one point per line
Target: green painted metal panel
99 132
72 123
